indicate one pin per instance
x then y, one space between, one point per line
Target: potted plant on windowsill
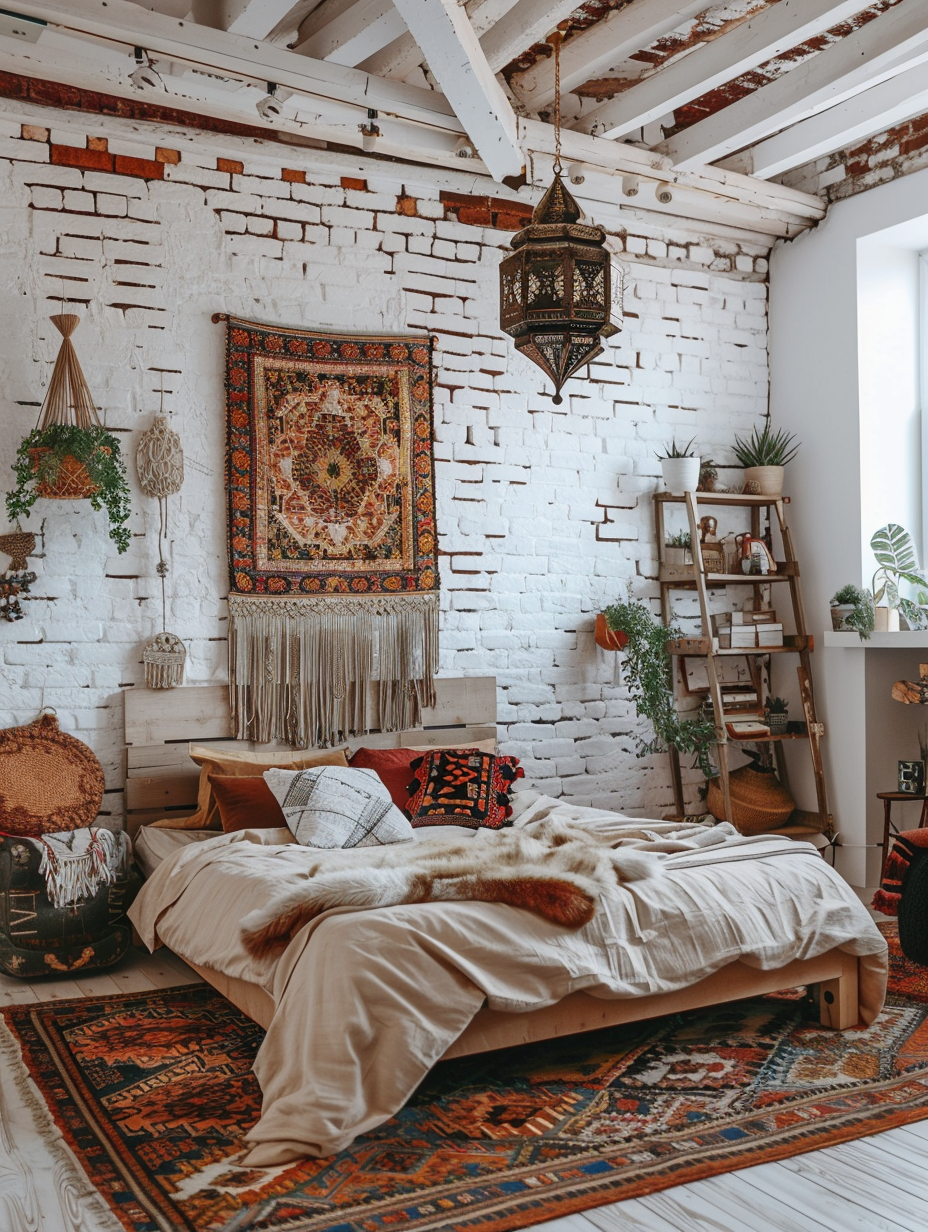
763 456
852 611
680 467
647 671
897 561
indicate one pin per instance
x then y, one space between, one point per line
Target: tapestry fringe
77 862
314 670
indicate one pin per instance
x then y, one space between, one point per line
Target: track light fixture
630 185
663 193
271 106
369 132
145 76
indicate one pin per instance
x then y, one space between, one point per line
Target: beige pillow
225 763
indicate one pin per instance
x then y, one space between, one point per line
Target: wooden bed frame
161 779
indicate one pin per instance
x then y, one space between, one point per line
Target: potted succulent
680 467
897 561
647 669
763 456
852 611
776 715
678 549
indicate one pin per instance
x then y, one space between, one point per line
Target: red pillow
246 804
394 768
462 787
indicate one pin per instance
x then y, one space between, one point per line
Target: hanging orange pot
609 639
69 482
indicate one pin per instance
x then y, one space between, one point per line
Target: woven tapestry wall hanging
333 610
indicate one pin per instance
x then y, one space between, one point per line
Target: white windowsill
905 640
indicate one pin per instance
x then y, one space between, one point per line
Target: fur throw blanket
553 868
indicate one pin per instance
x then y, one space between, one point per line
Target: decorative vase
764 480
680 474
886 620
839 615
609 639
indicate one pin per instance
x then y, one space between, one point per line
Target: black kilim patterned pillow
462 787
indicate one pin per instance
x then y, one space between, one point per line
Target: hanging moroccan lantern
555 286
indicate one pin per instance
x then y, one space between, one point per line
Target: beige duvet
367 1001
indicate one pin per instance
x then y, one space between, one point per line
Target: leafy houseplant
897 561
680 467
647 673
763 456
69 455
852 611
47 457
776 711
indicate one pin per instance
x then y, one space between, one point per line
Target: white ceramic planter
887 620
839 615
769 480
680 474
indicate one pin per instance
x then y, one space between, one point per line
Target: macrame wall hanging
19 546
159 461
333 610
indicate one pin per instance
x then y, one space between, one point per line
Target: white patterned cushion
337 806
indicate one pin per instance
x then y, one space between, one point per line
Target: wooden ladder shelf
696 578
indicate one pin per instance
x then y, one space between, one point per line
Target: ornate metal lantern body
556 287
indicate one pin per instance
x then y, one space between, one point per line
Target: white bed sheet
367 1001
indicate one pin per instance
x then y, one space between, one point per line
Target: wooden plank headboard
160 723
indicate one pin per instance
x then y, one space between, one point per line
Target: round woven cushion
48 780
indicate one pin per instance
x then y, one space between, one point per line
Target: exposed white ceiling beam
602 47
356 32
526 23
122 22
896 40
884 105
762 37
253 18
447 39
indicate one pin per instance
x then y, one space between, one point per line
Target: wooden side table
888 797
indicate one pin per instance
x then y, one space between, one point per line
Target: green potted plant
647 669
680 467
678 549
776 715
69 455
763 456
852 611
897 561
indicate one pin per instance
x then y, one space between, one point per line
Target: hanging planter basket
608 639
70 455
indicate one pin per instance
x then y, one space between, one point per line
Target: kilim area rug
153 1092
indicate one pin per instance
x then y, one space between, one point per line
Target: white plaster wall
543 512
816 392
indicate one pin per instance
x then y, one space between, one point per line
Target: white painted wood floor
875 1184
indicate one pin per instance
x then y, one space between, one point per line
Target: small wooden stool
888 797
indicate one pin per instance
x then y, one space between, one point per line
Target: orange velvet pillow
246 804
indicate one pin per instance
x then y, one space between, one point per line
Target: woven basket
48 780
759 800
72 482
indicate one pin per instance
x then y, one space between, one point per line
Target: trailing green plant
776 705
862 619
766 448
897 561
673 450
647 668
94 448
681 539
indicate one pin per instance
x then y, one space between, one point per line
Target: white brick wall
543 511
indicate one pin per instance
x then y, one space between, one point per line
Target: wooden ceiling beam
602 48
252 18
762 37
357 31
892 42
872 111
456 60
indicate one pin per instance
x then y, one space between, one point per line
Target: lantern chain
557 38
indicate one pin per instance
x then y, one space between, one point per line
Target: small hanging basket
608 639
68 480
